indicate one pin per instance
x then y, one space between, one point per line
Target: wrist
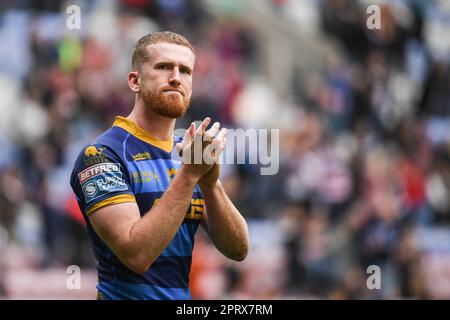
209 187
187 175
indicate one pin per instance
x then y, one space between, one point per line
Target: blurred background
364 119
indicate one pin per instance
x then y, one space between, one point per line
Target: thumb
179 148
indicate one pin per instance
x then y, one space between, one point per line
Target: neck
157 126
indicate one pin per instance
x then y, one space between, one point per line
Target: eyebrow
181 65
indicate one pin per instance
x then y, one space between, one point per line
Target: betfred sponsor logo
98 169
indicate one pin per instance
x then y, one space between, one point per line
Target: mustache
180 90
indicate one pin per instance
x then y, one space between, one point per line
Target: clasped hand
200 151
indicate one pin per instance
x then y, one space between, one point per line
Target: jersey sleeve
100 179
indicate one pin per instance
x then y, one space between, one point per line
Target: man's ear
133 81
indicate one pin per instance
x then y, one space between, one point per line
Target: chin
169 106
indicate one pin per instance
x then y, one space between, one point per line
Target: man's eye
164 67
186 71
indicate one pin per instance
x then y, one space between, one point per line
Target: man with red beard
142 205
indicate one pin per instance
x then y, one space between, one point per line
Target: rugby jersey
126 164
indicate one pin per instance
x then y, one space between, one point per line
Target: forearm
225 225
151 234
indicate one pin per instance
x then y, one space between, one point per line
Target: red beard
169 106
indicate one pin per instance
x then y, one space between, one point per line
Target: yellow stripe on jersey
121 198
141 134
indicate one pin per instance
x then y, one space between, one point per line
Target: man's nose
175 79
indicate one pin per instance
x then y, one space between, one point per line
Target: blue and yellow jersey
125 164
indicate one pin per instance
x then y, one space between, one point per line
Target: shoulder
98 174
102 148
106 148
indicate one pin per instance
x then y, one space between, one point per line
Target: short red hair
140 53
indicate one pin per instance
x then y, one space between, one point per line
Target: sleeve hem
121 198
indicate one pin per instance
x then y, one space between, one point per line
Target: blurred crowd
364 173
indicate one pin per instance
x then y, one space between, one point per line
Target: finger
219 140
211 133
188 136
222 134
179 147
204 125
197 138
214 129
218 150
191 130
218 146
208 154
